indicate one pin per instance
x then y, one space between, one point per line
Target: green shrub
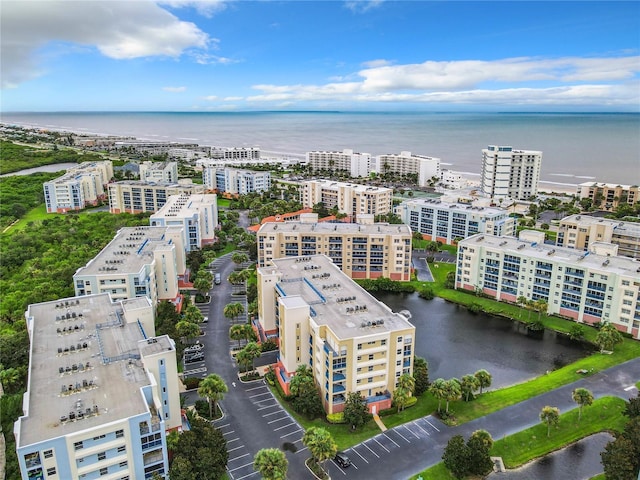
474 308
411 402
191 382
387 412
336 417
269 346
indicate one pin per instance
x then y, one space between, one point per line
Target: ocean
577 147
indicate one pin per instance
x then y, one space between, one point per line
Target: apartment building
197 215
588 287
448 222
349 198
405 163
138 262
235 181
510 174
159 172
235 153
79 187
154 148
360 250
137 196
323 319
102 391
581 231
357 164
608 196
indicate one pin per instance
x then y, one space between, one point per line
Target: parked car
217 279
193 357
205 319
342 459
194 348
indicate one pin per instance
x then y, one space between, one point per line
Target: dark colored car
342 459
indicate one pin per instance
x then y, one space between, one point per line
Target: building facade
136 196
582 231
159 172
235 153
236 181
102 391
587 287
197 215
449 222
351 341
510 174
357 164
80 187
424 168
609 196
138 262
359 250
349 198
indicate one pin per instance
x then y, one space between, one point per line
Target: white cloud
206 8
210 98
376 63
362 6
117 29
204 58
232 99
174 89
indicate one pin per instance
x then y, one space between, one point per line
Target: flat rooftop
100 378
329 184
131 249
620 227
337 228
455 206
185 205
83 168
574 258
335 300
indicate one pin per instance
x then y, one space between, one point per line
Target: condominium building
102 391
360 250
138 262
449 222
349 198
79 187
235 181
510 174
322 318
608 196
588 287
159 172
581 231
136 196
424 168
357 164
196 214
235 153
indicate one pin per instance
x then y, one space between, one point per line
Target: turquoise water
576 147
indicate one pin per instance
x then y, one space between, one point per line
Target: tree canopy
200 453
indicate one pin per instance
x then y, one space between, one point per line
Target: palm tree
320 444
468 384
524 303
233 310
271 463
452 391
407 383
437 389
582 397
236 332
249 353
187 330
550 416
239 258
608 337
484 379
540 306
213 389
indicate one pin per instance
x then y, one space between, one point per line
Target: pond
455 342
56 167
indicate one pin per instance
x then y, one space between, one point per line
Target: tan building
80 187
360 250
102 391
608 196
357 164
139 261
405 163
349 198
135 196
581 231
323 319
589 287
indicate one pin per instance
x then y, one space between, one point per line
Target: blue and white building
235 181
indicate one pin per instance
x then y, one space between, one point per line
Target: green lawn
34 215
223 202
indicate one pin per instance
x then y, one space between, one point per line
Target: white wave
561 175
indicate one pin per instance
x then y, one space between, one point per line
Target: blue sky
177 55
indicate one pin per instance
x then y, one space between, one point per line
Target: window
102 455
122 448
78 446
104 471
371 356
399 339
119 433
122 464
48 453
51 471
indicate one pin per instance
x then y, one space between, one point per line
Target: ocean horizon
577 146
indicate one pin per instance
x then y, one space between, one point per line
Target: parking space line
237 448
260 394
278 419
269 406
418 425
272 413
245 465
234 440
436 428
354 450
227 433
378 456
246 476
225 425
411 431
295 431
284 426
395 430
338 467
391 440
256 388
375 440
302 450
237 458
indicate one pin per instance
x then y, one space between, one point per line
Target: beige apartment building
589 287
136 196
323 319
138 262
102 391
80 187
349 198
162 172
608 196
360 250
581 231
357 164
405 163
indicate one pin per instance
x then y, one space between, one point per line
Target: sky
379 55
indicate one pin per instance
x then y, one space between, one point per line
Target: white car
194 348
205 319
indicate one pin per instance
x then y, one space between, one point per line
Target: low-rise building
80 187
405 163
362 250
235 181
102 391
581 231
137 196
159 172
589 287
357 164
608 196
450 222
349 198
197 215
138 262
235 153
322 318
